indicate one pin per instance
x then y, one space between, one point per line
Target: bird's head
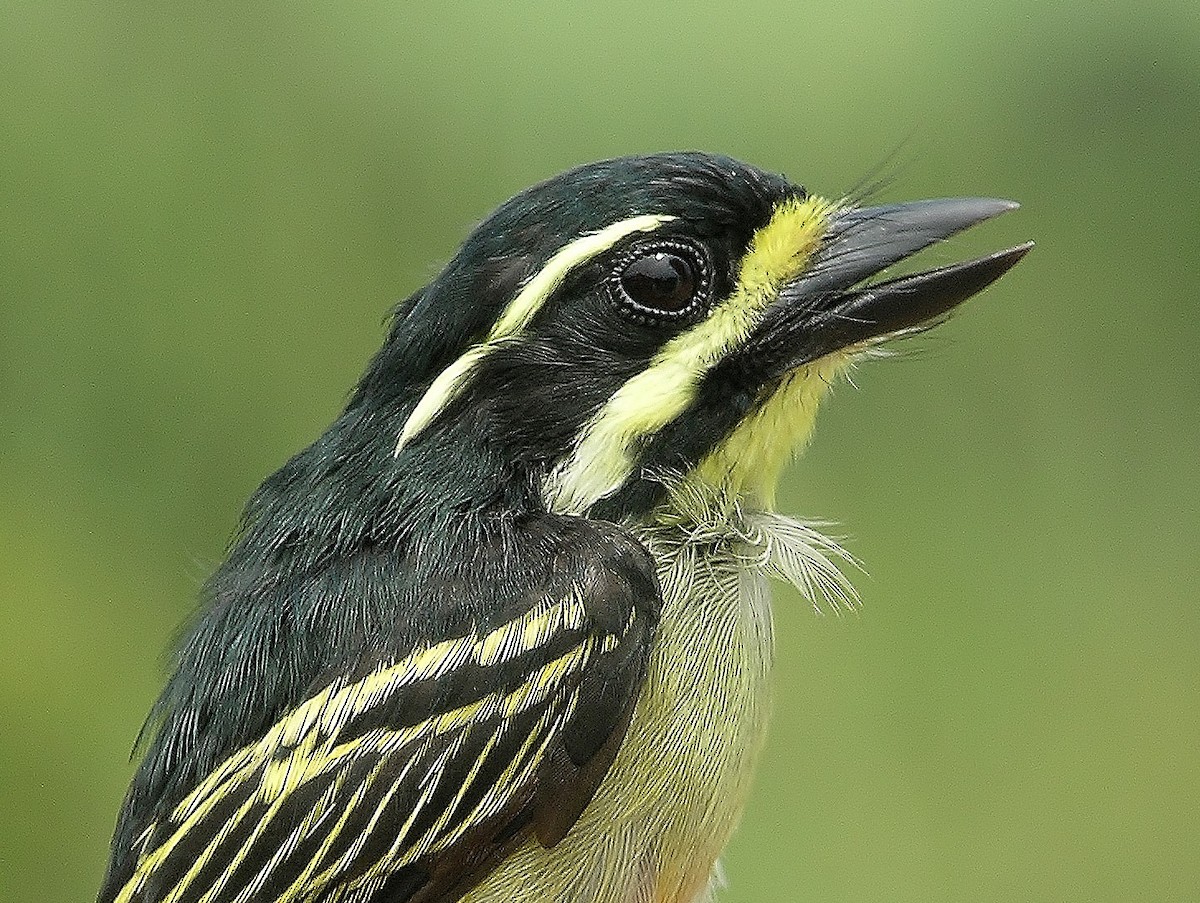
649 318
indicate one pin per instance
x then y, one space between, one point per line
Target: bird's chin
747 465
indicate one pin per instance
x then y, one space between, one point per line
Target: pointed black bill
825 309
921 298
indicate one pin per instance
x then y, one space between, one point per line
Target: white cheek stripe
518 314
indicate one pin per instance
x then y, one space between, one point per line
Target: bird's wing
411 781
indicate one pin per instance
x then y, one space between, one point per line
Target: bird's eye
660 281
667 280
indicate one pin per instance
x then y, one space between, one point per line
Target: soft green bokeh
206 211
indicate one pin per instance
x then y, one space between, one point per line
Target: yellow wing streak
306 827
513 778
393 858
445 817
352 853
539 731
279 779
531 630
204 857
308 738
335 705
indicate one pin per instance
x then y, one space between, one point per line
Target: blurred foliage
207 209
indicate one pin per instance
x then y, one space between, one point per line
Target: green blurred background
206 211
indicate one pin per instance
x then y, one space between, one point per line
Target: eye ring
664 280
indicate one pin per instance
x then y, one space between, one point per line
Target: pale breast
674 794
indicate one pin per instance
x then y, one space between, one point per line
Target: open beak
827 308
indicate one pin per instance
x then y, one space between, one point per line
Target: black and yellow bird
503 633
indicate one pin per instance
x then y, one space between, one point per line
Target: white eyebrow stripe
518 314
547 280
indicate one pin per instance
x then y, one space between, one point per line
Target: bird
503 631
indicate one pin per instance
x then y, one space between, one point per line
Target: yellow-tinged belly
674 794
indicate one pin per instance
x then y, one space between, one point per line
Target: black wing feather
409 781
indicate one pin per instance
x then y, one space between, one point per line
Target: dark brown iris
660 281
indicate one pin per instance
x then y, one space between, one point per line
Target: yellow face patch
747 464
604 457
